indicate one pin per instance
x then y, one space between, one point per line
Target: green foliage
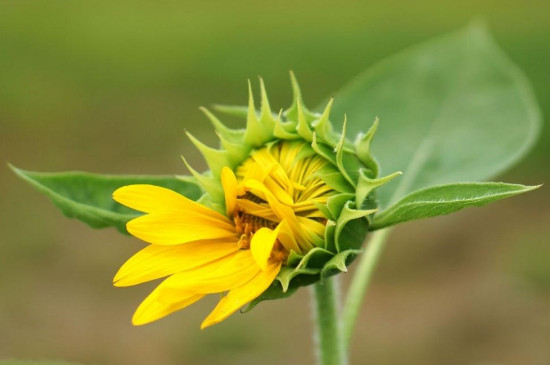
445 199
453 109
88 197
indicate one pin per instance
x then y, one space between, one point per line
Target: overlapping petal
242 295
215 277
262 244
178 227
155 199
156 306
157 261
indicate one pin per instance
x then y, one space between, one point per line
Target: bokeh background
110 87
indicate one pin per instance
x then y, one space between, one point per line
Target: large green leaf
445 199
452 109
88 197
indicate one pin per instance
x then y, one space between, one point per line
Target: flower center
280 188
248 224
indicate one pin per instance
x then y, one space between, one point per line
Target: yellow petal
156 199
155 307
304 206
265 158
278 191
230 189
298 186
282 211
224 274
262 244
286 237
242 295
311 226
177 228
156 261
252 170
256 209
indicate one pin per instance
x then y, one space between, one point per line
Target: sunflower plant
288 200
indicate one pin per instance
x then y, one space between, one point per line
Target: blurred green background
111 86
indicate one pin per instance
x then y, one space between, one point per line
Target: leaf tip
23 174
533 187
16 170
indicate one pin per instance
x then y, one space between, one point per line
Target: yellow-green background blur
110 86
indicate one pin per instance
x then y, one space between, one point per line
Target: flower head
285 204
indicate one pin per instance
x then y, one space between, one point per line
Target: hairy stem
329 341
360 282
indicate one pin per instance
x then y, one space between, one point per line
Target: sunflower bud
287 203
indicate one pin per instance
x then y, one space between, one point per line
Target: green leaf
88 197
445 199
452 109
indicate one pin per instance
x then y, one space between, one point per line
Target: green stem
329 340
360 282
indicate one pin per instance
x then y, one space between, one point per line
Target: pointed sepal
366 186
303 127
323 150
215 159
351 227
256 135
323 128
232 135
347 162
339 263
209 184
266 115
362 149
334 178
287 274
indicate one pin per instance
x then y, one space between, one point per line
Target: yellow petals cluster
271 202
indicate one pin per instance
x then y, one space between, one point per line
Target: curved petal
264 157
157 261
287 239
230 189
242 295
283 212
177 228
260 190
218 276
256 209
311 226
251 170
279 192
262 244
156 199
155 307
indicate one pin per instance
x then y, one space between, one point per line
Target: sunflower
286 203
271 210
